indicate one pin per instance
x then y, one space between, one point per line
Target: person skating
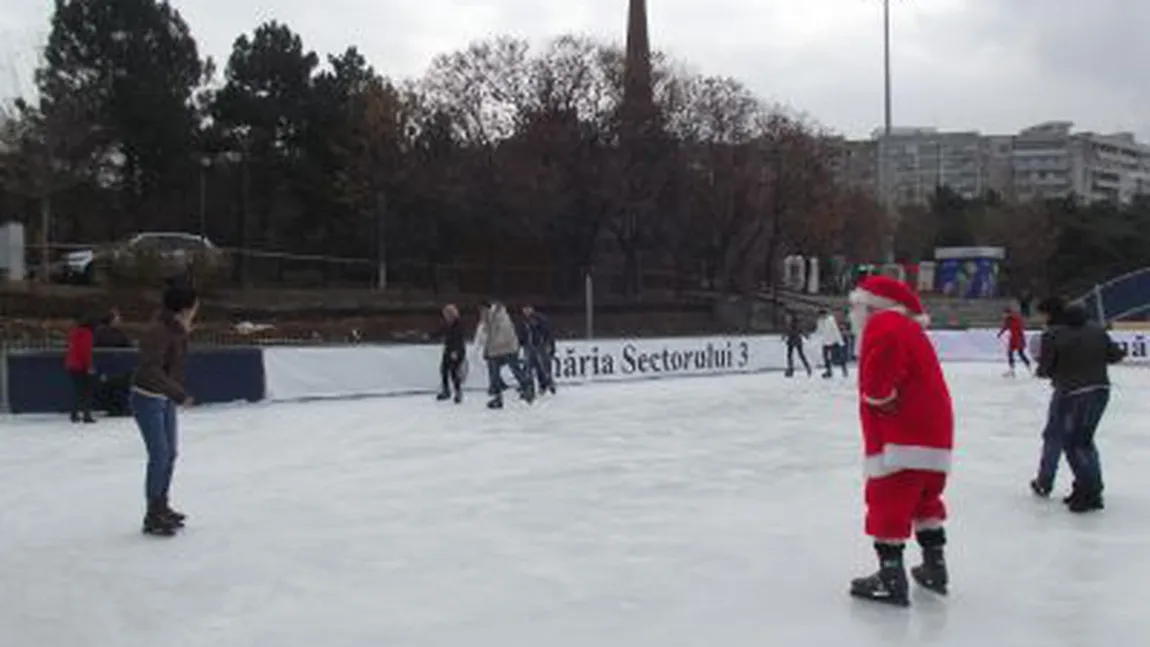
454 355
500 344
1075 356
79 361
1014 326
795 339
538 347
908 432
157 389
830 336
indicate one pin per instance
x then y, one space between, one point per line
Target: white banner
302 373
1135 344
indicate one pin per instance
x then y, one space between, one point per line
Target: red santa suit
906 413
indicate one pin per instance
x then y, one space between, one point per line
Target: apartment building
1045 161
1051 161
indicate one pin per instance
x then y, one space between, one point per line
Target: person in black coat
112 390
538 347
1075 355
795 338
454 355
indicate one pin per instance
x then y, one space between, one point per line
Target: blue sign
969 278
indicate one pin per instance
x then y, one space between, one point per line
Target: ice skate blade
160 533
890 601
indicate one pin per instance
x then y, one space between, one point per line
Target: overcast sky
990 65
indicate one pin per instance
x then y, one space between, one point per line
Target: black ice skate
443 395
458 397
1039 490
1081 502
932 574
176 518
889 584
157 523
495 403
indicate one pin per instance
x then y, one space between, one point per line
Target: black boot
932 574
495 403
888 585
458 396
443 395
156 522
1082 501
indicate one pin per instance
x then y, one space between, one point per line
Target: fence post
1099 305
589 303
4 408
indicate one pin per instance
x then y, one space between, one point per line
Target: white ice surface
710 512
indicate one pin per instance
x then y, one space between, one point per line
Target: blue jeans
539 365
1081 413
156 418
495 380
1052 445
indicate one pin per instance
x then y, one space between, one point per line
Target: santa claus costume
908 432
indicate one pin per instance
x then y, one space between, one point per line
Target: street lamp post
885 175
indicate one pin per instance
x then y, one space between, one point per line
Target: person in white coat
829 334
498 339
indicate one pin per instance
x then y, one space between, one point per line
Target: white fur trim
859 296
881 402
862 297
896 458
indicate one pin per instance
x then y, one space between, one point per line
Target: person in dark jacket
454 354
538 347
157 389
109 333
79 361
795 339
114 387
1075 356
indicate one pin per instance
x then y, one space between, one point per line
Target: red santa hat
885 293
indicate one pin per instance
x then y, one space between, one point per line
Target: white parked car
174 247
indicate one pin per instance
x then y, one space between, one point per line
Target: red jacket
79 357
905 407
1015 326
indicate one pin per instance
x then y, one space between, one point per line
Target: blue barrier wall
37 382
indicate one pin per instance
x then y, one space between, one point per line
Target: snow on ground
714 512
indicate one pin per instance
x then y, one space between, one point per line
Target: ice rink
717 512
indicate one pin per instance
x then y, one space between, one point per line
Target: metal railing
1118 298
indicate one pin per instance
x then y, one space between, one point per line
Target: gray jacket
502 338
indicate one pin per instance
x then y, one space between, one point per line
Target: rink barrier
361 371
310 373
38 383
